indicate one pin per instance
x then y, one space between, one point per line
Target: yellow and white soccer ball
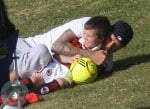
83 71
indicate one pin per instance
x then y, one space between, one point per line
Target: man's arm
64 46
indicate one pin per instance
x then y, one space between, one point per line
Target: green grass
128 87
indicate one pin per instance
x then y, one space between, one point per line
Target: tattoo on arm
63 45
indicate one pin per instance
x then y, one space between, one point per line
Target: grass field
128 87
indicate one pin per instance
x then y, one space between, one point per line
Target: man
121 35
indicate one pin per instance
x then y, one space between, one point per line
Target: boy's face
91 39
112 44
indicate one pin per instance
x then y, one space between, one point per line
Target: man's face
91 39
112 44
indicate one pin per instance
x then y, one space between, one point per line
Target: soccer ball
83 70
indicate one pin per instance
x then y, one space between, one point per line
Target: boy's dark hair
101 24
6 27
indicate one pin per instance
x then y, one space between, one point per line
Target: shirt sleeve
77 26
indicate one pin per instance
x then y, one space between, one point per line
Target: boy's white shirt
55 70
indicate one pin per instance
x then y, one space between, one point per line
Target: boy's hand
37 79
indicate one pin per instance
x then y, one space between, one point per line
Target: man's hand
99 57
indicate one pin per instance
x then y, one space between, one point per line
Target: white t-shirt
77 26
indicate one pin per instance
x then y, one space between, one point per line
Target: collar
98 47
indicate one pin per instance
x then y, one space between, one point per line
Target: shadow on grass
143 108
131 61
126 63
